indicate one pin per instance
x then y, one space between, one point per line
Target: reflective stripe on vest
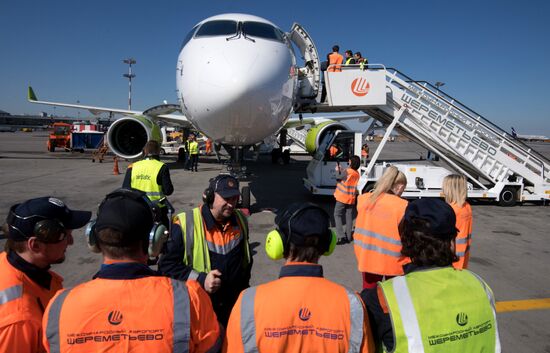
11 293
377 248
357 317
144 178
181 324
424 322
248 321
52 327
197 247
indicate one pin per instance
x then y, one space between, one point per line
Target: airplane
237 82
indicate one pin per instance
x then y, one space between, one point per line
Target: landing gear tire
508 197
245 197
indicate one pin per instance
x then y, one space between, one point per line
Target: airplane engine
128 135
316 134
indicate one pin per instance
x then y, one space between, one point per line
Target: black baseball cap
225 185
300 221
441 217
23 217
125 212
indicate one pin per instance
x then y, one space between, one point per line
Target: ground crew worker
208 146
455 191
365 153
359 59
335 60
39 231
349 60
193 149
433 307
210 244
301 311
345 195
376 238
128 307
151 176
182 152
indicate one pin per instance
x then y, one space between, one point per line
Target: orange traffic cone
115 167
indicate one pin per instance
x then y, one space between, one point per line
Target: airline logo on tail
360 87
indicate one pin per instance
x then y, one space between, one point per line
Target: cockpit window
188 37
217 28
262 30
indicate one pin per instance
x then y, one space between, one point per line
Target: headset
157 235
47 230
208 195
277 241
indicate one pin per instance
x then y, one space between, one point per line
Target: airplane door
310 75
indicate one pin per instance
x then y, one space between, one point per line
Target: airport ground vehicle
498 167
60 136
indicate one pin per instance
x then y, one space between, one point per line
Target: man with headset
210 244
151 176
39 232
128 307
301 311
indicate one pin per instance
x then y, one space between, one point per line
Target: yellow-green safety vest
193 147
194 241
144 178
441 310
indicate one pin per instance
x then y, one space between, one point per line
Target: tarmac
510 247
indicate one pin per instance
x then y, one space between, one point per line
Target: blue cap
437 213
24 216
225 185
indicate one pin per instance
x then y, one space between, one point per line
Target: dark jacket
234 277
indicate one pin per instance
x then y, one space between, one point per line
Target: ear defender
91 238
157 237
276 241
332 244
274 245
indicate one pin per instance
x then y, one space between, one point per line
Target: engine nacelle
316 133
128 135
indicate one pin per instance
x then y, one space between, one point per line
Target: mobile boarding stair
497 166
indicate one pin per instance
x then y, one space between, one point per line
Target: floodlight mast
129 76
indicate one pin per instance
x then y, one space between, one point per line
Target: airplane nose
238 97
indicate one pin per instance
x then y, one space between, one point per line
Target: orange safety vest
464 237
335 59
316 315
22 303
148 314
376 239
346 190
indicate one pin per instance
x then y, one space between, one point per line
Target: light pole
439 84
129 76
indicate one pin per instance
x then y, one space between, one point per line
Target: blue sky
494 56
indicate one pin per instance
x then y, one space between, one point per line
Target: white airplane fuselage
237 88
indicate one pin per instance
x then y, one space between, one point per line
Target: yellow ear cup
332 245
274 247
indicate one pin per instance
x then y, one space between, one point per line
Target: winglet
30 95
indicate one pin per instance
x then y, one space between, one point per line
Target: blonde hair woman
376 239
455 191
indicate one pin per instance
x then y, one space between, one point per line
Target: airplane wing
163 112
31 97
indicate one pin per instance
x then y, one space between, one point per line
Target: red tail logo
360 87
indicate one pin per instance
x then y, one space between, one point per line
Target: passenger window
188 37
262 30
217 28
